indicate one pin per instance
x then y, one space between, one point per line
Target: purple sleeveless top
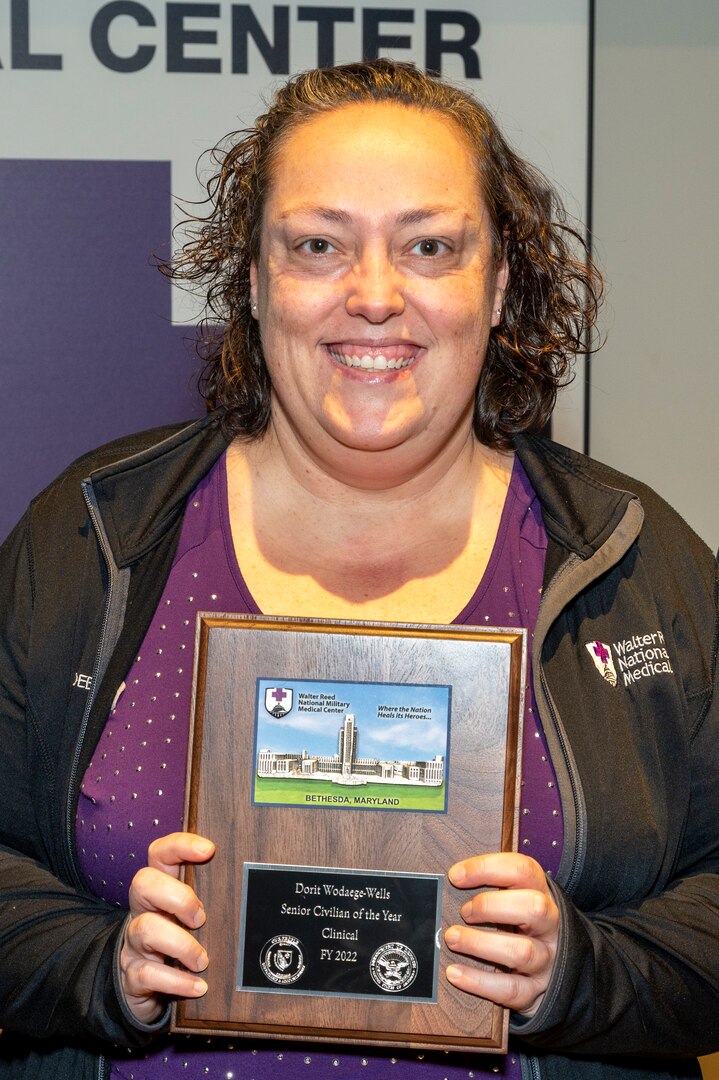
133 789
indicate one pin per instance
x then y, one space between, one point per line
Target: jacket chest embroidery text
82 682
639 657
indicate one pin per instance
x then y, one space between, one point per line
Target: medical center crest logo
642 656
278 701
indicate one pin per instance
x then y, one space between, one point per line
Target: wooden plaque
341 768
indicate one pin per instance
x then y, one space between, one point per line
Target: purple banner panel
88 349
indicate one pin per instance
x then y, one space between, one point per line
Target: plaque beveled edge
516 638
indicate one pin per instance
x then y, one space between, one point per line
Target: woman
400 311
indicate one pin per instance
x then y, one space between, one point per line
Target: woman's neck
325 547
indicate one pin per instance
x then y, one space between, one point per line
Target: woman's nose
375 289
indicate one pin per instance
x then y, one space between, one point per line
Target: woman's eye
317 246
429 246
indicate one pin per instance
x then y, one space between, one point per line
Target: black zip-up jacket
632 724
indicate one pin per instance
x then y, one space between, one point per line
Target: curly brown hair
552 297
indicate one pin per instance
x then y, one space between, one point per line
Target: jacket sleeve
57 945
644 980
58 971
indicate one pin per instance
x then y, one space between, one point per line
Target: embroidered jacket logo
639 657
601 654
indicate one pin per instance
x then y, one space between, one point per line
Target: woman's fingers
525 955
530 911
150 940
505 988
518 899
146 981
168 853
152 890
151 935
502 869
161 908
157 886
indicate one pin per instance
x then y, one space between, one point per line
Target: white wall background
655 385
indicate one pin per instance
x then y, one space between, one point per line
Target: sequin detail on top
132 791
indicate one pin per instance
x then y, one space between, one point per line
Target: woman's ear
253 289
500 288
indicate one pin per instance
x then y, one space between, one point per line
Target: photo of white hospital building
345 767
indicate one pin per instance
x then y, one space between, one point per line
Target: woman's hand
160 907
518 900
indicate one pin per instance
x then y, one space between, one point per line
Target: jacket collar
583 502
140 496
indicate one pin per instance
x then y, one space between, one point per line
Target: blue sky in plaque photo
393 721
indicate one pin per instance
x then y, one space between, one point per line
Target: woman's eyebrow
335 217
342 217
416 217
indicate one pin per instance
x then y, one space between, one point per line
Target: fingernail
457 874
202 961
454 973
452 936
200 987
200 918
202 847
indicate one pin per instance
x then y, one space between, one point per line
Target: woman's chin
372 441
374 431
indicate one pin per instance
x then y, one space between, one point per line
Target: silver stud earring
254 307
498 311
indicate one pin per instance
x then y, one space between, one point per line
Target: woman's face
376 286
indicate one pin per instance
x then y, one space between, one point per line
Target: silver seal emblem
282 960
393 967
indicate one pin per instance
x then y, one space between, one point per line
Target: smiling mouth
389 358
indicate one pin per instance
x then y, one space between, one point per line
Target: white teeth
372 363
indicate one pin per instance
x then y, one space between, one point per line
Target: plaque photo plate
341 768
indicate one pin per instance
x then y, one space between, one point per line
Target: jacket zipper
580 825
113 576
533 1066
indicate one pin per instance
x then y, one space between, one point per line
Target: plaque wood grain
485 669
